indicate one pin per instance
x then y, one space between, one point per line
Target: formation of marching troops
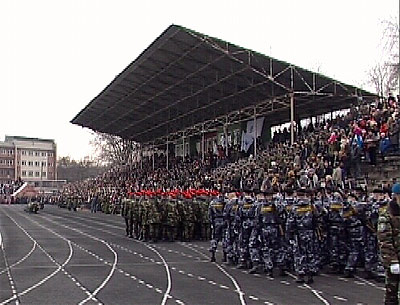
300 230
154 216
297 230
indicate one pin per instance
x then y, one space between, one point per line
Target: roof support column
153 155
203 144
226 137
292 120
255 132
183 141
167 154
141 156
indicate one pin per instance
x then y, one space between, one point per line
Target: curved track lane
117 270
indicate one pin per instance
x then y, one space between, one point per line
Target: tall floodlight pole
255 132
292 119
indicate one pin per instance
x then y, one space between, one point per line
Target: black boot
241 265
282 272
224 258
255 269
212 257
300 279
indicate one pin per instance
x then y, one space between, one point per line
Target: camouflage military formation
167 216
299 230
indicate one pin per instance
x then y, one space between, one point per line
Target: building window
44 174
43 154
37 163
30 163
23 152
44 164
10 152
30 174
37 174
23 173
37 154
50 154
30 153
23 162
50 164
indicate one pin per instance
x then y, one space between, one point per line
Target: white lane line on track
41 282
93 294
315 292
238 289
107 279
10 279
340 298
84 289
166 266
22 259
166 295
369 283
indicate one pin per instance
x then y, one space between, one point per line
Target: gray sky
56 56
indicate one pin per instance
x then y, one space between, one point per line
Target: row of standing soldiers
298 230
153 218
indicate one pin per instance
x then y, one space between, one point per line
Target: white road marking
60 267
238 289
315 292
370 283
253 298
340 298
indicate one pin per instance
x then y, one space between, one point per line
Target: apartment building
30 159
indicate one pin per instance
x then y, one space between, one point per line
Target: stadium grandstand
187 86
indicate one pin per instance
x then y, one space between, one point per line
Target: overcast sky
56 56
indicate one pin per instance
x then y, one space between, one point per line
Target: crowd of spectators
326 153
7 189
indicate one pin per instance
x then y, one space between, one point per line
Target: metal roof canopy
186 83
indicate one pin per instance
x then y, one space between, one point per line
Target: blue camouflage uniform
215 215
300 230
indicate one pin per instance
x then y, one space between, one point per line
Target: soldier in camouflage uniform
145 208
171 218
205 228
231 233
188 218
215 215
371 243
301 233
389 244
269 232
154 219
126 213
337 243
354 221
245 219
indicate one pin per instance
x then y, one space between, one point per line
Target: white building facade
34 159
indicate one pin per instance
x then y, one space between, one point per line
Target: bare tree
114 150
385 74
